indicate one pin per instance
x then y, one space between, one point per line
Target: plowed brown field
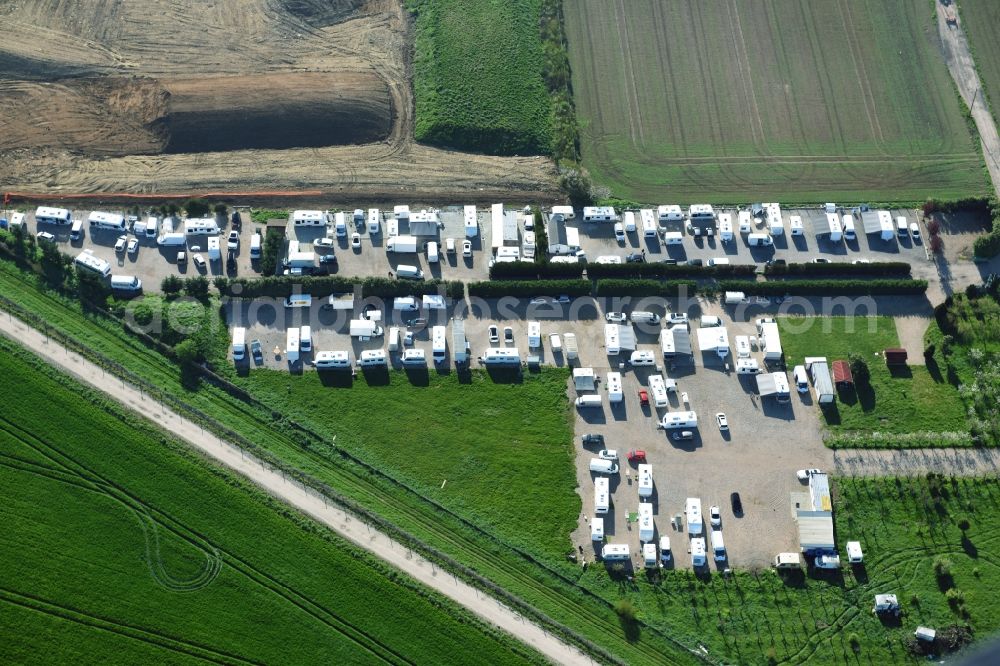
102 96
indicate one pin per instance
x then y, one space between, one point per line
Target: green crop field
477 76
981 22
846 100
121 546
912 401
501 454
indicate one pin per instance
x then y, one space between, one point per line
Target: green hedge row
661 270
824 287
529 288
279 287
529 270
886 268
618 287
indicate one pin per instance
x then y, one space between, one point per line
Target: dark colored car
256 352
669 262
237 221
737 503
776 262
695 262
591 438
635 258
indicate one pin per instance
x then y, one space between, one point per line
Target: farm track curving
429 521
159 518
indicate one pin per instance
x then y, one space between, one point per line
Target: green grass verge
478 76
500 454
124 546
914 400
689 102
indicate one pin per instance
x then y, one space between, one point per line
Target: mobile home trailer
648 219
658 389
615 551
374 221
599 214
679 420
292 344
572 352
471 222
87 261
459 343
110 221
239 343
833 227
645 480
194 226
670 213
439 344
615 393
46 215
309 218
770 341
692 514
602 494
566 211
496 226
501 356
646 528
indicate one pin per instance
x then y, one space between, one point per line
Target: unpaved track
958 56
274 482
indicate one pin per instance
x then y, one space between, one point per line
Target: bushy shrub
625 287
877 269
825 287
527 289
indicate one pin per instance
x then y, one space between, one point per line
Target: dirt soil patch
243 95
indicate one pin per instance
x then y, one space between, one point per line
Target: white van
642 358
76 232
758 240
340 225
673 238
643 317
602 466
372 357
239 343
255 246
404 271
801 378
394 339
902 228
374 221
718 546
629 221
848 226
432 253
710 321
615 551
298 301
126 283
305 339
721 261
332 359
414 357
589 401
151 227
665 554
405 303
555 342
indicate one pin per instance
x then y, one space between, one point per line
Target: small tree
196 208
187 352
937 244
933 227
221 209
171 286
859 368
626 610
197 287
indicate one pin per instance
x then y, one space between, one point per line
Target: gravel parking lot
597 239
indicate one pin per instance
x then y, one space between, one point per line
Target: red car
643 398
637 456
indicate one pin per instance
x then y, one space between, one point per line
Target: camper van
110 221
255 246
602 495
394 339
239 343
46 215
650 558
439 344
372 357
88 261
292 344
414 357
374 221
433 256
597 529
602 466
126 283
76 232
615 551
406 272
298 301
340 224
801 378
848 226
325 360
718 546
665 554
589 401
759 240
673 238
642 358
152 227
643 317
305 339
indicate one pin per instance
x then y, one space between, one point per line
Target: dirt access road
958 57
378 543
181 96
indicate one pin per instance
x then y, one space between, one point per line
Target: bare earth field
176 96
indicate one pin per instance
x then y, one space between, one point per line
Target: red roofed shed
842 376
895 356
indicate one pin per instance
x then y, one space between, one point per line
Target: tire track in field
665 60
631 93
478 558
114 492
867 96
147 636
746 77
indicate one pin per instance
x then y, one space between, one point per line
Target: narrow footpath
306 501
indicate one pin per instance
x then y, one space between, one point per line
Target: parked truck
402 244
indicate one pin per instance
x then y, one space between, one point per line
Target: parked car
915 231
736 503
643 398
237 220
466 248
715 516
776 262
494 333
635 258
616 317
608 454
723 422
508 335
234 240
449 245
199 260
676 317
619 232
323 242
682 435
695 262
356 241
637 456
257 352
120 244
133 245
328 259
827 561
182 258
821 260
563 298
669 262
593 438
804 474
46 236
861 261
